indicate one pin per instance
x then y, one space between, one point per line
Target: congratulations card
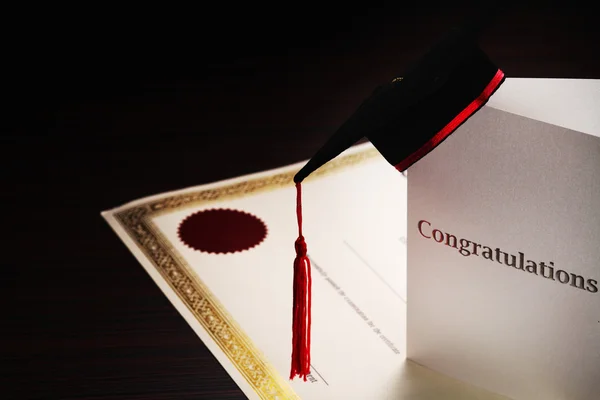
504 245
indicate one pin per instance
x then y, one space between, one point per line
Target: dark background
104 104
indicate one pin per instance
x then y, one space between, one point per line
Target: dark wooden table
106 106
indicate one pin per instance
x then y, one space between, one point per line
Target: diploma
222 254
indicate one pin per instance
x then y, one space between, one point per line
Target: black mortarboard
404 119
408 117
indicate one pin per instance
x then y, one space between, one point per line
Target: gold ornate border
137 222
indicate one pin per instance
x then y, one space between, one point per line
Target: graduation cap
404 119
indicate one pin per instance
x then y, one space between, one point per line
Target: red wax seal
221 231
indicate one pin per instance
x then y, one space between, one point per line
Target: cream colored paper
239 304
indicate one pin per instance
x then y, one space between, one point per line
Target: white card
511 190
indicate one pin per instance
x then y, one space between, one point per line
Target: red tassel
302 298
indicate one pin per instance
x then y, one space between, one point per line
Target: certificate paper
223 255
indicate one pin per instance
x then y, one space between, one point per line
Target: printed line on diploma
374 271
317 372
370 324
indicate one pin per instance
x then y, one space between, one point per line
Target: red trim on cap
455 123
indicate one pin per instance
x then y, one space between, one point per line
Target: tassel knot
300 247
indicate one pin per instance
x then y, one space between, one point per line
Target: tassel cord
301 301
